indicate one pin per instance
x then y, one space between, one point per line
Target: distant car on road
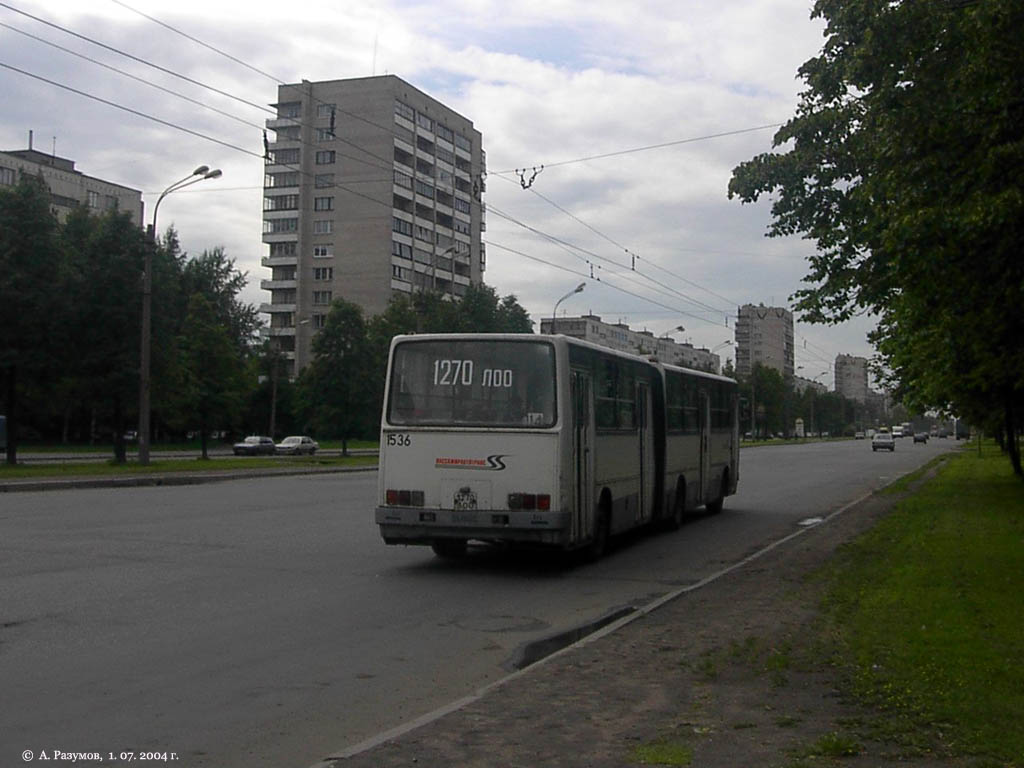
255 445
297 445
920 437
883 441
858 435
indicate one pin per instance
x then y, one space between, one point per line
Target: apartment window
424 122
283 273
325 157
463 143
323 203
281 203
282 296
290 179
425 189
401 226
276 226
322 180
443 132
321 298
325 110
323 273
324 134
282 249
403 179
319 320
110 202
323 251
323 226
290 133
404 110
401 249
461 226
290 109
462 205
92 199
422 233
402 273
8 176
284 157
446 156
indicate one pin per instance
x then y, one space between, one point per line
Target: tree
213 385
103 299
903 164
337 391
30 262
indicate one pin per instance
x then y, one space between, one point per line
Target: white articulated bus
545 440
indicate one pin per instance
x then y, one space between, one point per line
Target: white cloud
546 81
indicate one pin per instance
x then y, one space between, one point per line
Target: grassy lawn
924 614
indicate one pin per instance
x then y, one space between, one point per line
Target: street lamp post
554 312
201 173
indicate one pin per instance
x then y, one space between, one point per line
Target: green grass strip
926 613
169 466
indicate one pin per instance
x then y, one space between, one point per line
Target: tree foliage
903 165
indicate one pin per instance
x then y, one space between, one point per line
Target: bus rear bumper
415 525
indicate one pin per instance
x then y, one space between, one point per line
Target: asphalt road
261 622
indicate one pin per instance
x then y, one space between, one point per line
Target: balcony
269 309
279 261
271 285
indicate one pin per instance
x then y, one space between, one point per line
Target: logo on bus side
493 463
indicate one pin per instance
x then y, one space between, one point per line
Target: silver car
883 441
296 445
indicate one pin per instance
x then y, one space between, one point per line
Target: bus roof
555 338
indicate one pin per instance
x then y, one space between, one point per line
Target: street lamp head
215 173
200 170
579 288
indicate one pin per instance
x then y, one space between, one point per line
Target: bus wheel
714 507
449 549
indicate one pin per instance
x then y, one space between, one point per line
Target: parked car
883 441
920 437
297 445
255 445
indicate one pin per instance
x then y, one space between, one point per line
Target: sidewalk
726 675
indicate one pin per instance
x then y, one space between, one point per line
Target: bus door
704 417
582 455
645 508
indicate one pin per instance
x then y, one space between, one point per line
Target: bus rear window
484 383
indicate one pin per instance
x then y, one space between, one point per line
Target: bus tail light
541 501
395 498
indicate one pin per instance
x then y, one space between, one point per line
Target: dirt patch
729 675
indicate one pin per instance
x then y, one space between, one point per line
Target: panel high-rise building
764 335
372 189
852 377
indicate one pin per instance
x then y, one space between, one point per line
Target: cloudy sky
638 112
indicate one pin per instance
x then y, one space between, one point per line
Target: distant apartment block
69 188
852 377
372 189
619 336
764 335
801 385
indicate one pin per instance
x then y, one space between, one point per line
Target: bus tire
714 507
449 549
598 546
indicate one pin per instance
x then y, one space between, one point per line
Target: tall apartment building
69 188
764 335
852 377
621 337
372 189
